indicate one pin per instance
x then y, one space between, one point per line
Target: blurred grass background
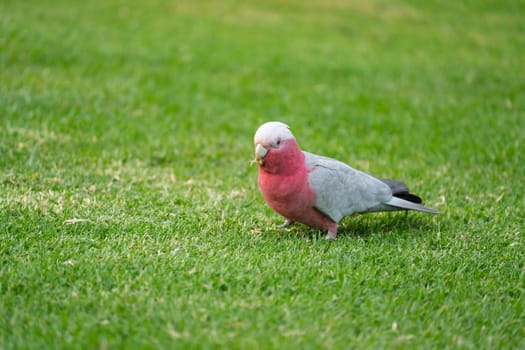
130 213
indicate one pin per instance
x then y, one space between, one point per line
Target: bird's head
274 140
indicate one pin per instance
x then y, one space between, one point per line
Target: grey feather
342 190
403 204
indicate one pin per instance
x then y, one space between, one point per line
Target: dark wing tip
400 190
409 197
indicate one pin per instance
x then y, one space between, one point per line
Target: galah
319 191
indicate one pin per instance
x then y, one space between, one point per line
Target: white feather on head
272 131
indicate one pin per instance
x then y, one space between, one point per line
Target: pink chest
287 195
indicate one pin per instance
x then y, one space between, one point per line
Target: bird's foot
286 224
332 232
331 236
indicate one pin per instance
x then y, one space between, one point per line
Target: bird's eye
278 142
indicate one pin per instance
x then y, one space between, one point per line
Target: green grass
137 117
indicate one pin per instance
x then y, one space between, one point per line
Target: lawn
129 210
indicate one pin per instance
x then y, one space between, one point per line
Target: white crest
272 131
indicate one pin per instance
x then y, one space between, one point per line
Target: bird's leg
286 224
332 232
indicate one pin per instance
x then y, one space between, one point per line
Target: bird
320 191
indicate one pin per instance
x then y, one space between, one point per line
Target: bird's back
342 190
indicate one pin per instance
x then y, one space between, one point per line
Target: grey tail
407 205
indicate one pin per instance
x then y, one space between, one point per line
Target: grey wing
341 190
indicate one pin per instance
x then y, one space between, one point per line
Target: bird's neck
285 161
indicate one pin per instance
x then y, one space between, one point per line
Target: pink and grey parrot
319 191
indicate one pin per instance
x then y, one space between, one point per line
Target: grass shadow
386 223
366 226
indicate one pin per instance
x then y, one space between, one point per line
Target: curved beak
260 153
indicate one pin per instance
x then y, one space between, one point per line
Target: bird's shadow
366 226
